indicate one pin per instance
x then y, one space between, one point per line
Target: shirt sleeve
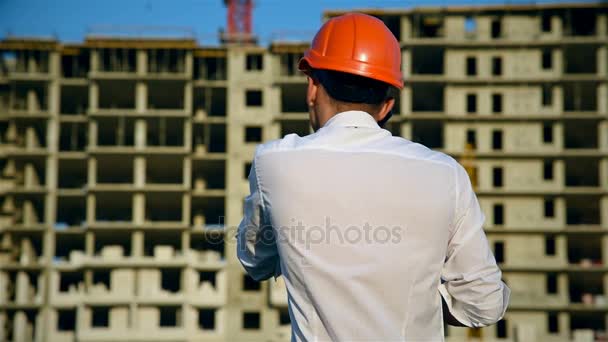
256 243
472 288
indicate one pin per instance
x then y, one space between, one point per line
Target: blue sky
71 20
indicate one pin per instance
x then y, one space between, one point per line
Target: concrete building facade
124 166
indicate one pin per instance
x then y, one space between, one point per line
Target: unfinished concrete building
124 162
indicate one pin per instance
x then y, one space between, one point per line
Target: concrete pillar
22 288
406 63
188 97
142 62
139 171
93 97
91 209
185 209
406 28
140 133
138 209
141 97
20 327
137 244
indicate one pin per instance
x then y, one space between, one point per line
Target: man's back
361 225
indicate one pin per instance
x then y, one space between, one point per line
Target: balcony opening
547 95
32 136
253 98
32 61
496 103
208 174
30 211
427 26
118 131
206 319
591 320
293 98
208 277
580 59
471 66
66 320
301 128
547 59
71 282
471 103
496 66
30 173
250 285
251 320
551 283
170 316
549 208
580 22
393 22
582 210
548 170
211 210
166 207
117 60
113 207
209 246
497 139
547 132
210 138
580 96
113 244
75 66
114 169
550 245
247 170
497 177
427 97
470 27
499 247
162 131
501 328
582 172
545 24
552 323
8 62
580 134
117 94
71 211
585 286
428 133
211 68
427 60
471 138
166 61
74 100
254 62
162 244
100 317
164 170
289 64
253 134
30 97
209 101
498 211
284 318
170 279
102 278
166 94
495 28
73 136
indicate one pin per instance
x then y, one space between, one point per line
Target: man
369 231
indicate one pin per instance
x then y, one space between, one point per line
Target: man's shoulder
412 150
288 142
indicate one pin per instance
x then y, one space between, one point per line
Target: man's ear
311 93
385 108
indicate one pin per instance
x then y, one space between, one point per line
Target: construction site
124 164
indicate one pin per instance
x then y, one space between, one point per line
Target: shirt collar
352 118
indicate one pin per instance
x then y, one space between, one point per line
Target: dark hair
351 88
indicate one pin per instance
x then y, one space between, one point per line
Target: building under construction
124 166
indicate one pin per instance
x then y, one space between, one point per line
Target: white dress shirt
368 231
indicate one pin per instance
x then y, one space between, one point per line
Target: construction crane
239 23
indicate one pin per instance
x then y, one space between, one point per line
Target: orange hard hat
358 44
